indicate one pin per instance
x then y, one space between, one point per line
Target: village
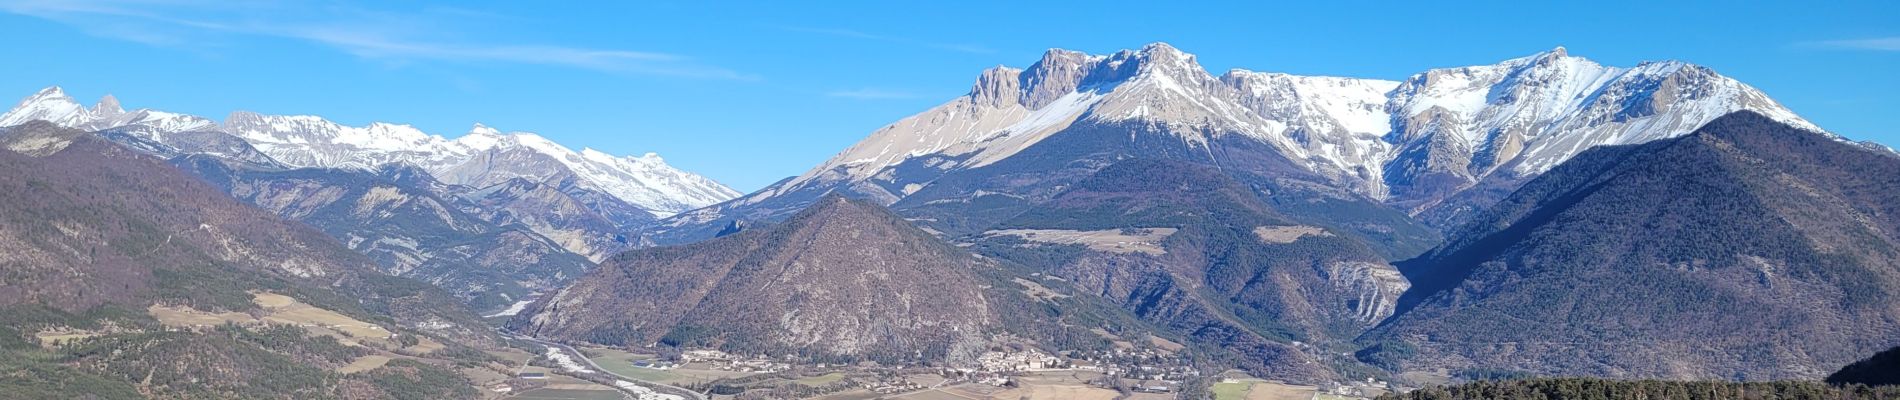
1011 372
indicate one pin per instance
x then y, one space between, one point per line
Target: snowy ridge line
482 157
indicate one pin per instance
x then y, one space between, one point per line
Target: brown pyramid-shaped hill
842 279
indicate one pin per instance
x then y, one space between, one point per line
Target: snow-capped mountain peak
52 104
480 137
48 92
1164 59
483 130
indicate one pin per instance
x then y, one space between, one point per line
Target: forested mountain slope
1749 249
1191 250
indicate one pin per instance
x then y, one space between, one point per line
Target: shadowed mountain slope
1749 249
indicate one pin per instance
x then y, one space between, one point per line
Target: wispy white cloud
848 33
1877 44
363 33
871 94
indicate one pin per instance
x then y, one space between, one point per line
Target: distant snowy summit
482 157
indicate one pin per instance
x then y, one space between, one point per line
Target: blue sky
750 92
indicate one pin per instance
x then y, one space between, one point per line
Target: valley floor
864 383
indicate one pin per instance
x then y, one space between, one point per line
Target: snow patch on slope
512 309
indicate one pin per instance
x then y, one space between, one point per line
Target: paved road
590 364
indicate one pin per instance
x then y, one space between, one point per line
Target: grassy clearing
1426 378
645 374
621 362
1287 234
1167 345
1146 240
925 379
186 317
704 372
48 338
1039 291
1277 391
1118 341
364 363
281 309
511 355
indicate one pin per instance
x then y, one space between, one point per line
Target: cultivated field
1262 390
621 362
936 394
1036 386
562 387
569 394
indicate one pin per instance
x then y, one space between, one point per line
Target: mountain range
482 157
491 217
1543 215
1261 210
408 229
1435 147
